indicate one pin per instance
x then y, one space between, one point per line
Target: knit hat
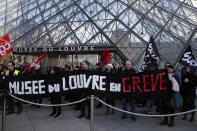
110 65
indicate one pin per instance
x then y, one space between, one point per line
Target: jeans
124 105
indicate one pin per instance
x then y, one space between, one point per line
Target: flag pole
36 61
141 60
12 57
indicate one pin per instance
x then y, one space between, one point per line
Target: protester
110 100
115 69
25 68
85 105
128 70
55 99
36 74
65 71
12 72
3 74
152 66
176 74
188 91
168 106
18 67
120 68
99 69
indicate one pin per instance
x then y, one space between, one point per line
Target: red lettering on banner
136 81
124 89
154 83
162 81
146 83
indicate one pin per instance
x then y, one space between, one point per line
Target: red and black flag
5 48
105 57
36 61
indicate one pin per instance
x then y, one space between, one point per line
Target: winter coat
188 88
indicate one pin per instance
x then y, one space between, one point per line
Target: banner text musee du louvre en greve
137 86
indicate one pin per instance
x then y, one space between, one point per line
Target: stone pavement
33 119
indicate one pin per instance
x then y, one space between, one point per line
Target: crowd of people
183 84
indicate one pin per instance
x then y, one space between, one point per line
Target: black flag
151 52
188 58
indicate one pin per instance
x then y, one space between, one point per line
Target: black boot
191 119
165 121
76 108
124 116
53 113
88 117
82 115
133 118
38 106
171 124
57 115
8 113
185 117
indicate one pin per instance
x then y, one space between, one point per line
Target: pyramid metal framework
125 24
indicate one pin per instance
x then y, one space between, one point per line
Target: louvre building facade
77 30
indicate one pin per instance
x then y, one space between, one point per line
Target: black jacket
36 74
131 71
189 87
2 76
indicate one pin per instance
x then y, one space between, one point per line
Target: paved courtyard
33 119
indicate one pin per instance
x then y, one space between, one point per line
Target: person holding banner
128 70
12 72
188 91
109 100
55 98
100 70
177 76
86 104
168 105
36 74
151 67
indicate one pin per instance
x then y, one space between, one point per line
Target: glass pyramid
125 24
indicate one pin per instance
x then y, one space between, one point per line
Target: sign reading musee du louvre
52 49
144 86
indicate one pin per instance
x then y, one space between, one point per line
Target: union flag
105 57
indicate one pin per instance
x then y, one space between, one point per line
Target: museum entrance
61 56
62 59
